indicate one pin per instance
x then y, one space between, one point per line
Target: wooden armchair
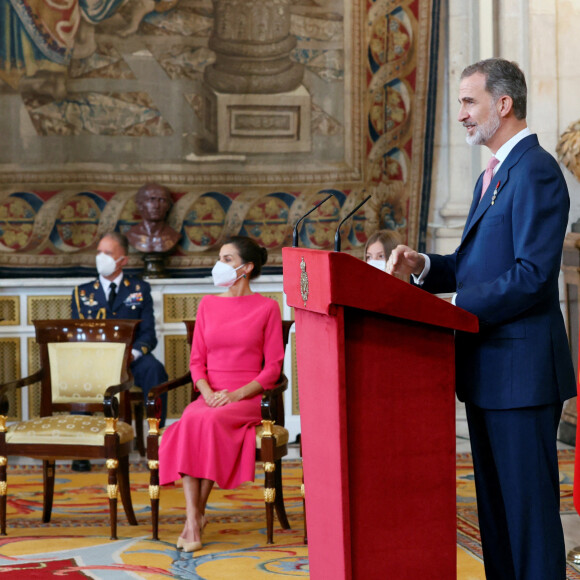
84 368
271 441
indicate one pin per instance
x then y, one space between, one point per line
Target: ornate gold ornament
304 289
269 494
111 425
153 464
302 490
3 423
153 492
3 461
112 463
112 491
568 149
269 467
267 428
153 426
3 488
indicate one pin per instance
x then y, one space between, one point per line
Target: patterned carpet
76 543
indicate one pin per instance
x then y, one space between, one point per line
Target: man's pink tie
488 174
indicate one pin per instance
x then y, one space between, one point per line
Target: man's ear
123 261
505 105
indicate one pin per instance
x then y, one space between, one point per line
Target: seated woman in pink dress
236 353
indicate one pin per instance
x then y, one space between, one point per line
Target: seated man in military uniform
114 295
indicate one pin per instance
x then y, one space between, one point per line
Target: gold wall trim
33 366
48 307
180 307
10 311
176 365
10 370
278 297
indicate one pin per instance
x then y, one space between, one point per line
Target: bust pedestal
154 265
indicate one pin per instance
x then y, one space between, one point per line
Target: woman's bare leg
196 493
205 490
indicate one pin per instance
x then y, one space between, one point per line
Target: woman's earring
244 276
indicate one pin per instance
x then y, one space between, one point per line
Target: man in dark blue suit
114 295
516 373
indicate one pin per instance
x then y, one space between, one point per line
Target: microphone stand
337 235
295 232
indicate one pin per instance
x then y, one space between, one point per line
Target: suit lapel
499 181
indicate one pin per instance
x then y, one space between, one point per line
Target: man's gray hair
502 78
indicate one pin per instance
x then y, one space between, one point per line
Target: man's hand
405 261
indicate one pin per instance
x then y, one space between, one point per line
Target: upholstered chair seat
66 430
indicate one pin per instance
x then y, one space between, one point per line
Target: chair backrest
81 358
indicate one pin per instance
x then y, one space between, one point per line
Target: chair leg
267 456
125 490
48 468
279 499
139 428
154 497
153 464
112 492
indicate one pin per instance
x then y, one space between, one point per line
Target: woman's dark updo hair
250 251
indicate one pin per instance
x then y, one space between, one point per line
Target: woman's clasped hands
218 398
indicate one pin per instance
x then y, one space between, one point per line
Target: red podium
376 371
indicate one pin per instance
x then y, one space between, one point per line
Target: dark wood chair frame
115 453
272 409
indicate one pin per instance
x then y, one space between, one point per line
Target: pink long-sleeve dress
236 340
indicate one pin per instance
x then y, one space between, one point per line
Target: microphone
295 232
337 235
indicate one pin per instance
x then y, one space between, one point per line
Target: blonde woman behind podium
379 247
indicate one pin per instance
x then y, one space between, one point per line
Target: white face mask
380 264
106 264
224 275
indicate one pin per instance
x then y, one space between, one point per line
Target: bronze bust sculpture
153 234
153 237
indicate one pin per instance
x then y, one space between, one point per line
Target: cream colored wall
541 35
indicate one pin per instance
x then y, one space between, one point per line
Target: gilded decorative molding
112 463
3 488
112 491
269 467
110 425
267 428
302 490
153 464
304 285
3 424
154 492
269 494
9 370
10 311
153 426
568 149
47 307
3 461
